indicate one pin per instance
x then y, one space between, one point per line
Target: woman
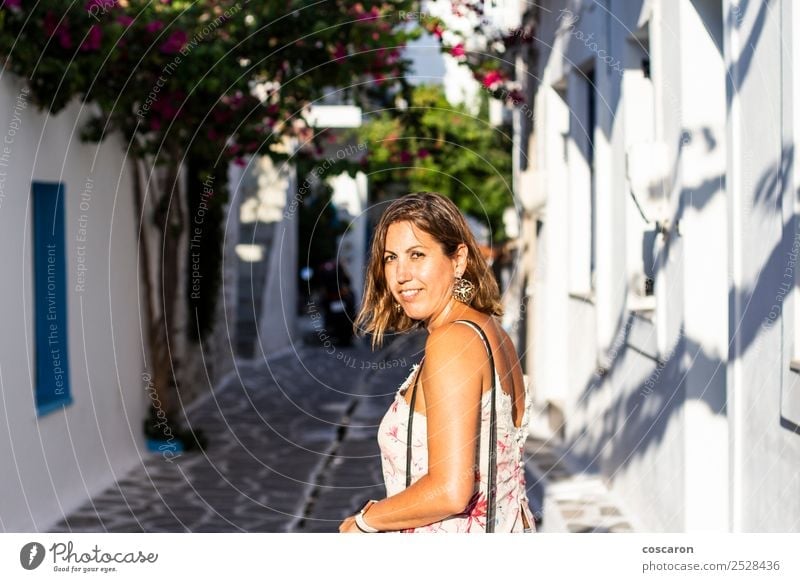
425 268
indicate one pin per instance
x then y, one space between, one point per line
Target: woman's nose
403 272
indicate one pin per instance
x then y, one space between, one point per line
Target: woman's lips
409 294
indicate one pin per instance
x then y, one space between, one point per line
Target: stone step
573 501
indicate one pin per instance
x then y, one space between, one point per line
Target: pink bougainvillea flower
57 29
516 97
175 42
92 40
221 115
340 52
405 157
458 50
154 26
125 20
235 100
49 23
365 16
241 162
64 38
422 153
14 4
491 78
438 31
168 106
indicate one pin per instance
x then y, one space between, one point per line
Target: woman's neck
452 311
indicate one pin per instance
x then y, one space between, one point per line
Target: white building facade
661 187
73 392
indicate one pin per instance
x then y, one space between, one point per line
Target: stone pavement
293 449
572 501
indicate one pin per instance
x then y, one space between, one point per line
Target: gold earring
464 290
397 307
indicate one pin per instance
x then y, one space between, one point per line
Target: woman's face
418 273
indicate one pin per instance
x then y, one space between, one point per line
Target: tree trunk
159 294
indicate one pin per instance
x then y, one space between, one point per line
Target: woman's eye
416 255
388 258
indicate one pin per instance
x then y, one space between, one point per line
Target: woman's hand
349 525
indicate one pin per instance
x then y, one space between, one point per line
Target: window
591 122
643 174
582 101
50 298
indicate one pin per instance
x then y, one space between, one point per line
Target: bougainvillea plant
206 80
487 48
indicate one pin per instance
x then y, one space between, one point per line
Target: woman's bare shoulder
450 335
455 359
456 344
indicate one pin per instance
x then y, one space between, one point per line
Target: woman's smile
409 294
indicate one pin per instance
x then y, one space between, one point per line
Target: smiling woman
451 449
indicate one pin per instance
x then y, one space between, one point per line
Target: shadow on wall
638 420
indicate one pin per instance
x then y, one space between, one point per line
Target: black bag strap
492 468
411 423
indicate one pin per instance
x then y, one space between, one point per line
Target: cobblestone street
293 449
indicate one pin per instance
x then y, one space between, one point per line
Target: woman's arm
455 360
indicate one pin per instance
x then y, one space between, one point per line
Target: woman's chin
415 314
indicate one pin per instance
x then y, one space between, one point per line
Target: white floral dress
512 500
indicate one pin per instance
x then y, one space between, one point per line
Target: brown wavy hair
440 218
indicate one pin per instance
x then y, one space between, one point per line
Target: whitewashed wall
763 175
686 402
52 464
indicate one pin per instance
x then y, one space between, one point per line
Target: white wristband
361 522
